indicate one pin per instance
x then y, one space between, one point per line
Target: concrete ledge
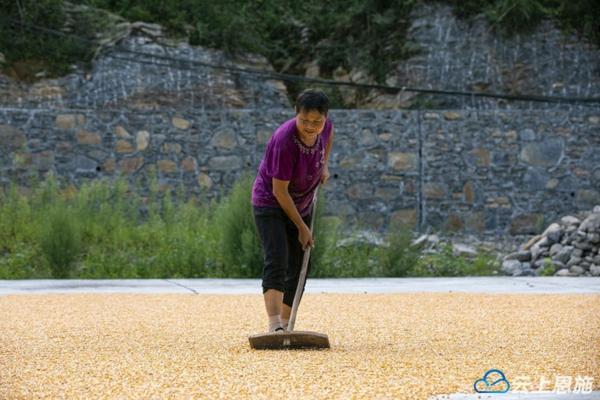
533 285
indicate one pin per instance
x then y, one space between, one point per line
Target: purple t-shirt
288 159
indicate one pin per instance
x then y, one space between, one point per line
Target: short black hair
312 99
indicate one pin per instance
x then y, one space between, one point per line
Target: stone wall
141 69
122 78
467 171
470 55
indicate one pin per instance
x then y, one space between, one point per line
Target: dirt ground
392 346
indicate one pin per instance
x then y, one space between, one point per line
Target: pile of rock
570 247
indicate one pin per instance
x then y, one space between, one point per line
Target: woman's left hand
325 175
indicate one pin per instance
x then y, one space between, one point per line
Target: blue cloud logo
493 381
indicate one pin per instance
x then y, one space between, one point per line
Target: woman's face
310 123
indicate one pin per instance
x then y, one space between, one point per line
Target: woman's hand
305 237
325 175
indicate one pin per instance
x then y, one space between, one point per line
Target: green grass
106 230
548 267
446 263
239 245
60 239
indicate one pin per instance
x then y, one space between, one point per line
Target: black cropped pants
282 251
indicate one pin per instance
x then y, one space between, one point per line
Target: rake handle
304 270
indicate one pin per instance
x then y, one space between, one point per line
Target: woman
294 164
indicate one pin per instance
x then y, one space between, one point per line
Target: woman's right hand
305 237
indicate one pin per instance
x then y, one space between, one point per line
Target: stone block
359 191
482 156
167 166
387 193
224 139
475 222
204 181
124 146
88 138
525 224
543 154
468 192
402 161
122 133
69 121
454 223
405 217
527 135
180 123
189 164
108 166
11 138
225 162
452 116
263 136
131 165
142 139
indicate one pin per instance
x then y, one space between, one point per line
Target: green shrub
398 258
30 50
354 261
440 264
15 216
484 264
103 263
21 221
446 263
512 16
515 15
239 244
98 231
21 261
349 257
548 267
60 240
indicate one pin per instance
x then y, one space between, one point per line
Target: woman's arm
281 193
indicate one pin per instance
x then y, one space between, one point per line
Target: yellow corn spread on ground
394 346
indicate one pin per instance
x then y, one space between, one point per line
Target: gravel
395 346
